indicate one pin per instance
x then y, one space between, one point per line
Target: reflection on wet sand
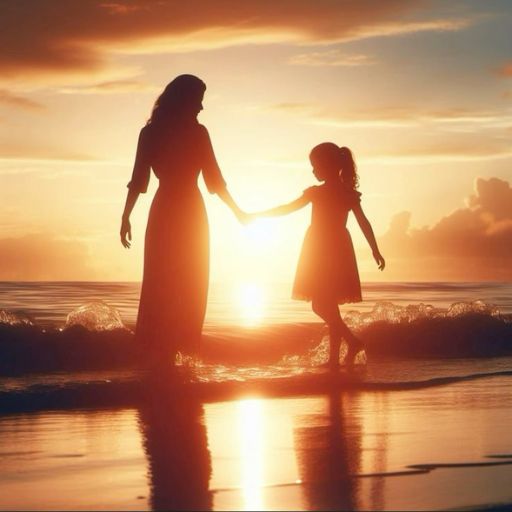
328 455
355 450
175 442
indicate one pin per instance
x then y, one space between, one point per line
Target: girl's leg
329 311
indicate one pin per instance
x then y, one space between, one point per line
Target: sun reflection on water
251 450
250 299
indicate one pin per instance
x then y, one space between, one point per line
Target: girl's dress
176 252
327 266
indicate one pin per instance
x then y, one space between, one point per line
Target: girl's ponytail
348 173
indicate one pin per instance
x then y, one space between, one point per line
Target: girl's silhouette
176 254
327 270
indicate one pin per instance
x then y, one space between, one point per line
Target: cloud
12 100
404 117
472 243
331 58
111 87
450 134
40 152
51 36
300 108
399 117
410 157
37 257
506 70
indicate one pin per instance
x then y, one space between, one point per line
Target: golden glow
251 452
69 132
261 234
250 299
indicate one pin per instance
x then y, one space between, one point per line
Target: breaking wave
94 337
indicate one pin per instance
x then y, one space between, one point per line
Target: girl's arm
367 230
284 209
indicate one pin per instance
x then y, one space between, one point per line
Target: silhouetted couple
176 254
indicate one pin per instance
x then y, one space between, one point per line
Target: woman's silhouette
176 255
327 272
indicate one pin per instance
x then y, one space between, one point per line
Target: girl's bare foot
354 347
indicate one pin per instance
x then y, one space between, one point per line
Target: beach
255 255
259 424
445 447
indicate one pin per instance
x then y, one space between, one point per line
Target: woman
176 255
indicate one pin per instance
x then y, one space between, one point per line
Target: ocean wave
94 337
133 390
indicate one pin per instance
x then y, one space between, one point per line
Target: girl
327 270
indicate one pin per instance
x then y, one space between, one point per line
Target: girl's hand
251 217
243 217
377 256
126 233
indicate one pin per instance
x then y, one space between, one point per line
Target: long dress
327 267
176 252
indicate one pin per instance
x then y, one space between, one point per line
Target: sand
437 448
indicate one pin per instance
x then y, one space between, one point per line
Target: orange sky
420 90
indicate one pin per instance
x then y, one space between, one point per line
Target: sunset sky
420 91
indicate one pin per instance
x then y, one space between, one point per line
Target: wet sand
434 448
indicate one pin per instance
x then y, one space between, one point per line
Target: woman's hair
175 100
341 158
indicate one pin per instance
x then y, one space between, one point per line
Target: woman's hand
126 233
379 259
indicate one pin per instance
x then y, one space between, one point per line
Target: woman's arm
226 197
212 176
284 209
138 185
126 228
367 230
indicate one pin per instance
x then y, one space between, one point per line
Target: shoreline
132 392
357 450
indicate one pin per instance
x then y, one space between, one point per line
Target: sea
422 422
49 303
61 335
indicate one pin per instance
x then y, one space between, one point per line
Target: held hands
379 259
244 217
126 233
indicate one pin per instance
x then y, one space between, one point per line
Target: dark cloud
42 257
50 36
506 70
471 244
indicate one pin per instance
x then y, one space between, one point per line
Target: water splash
319 355
14 318
477 306
95 316
393 314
